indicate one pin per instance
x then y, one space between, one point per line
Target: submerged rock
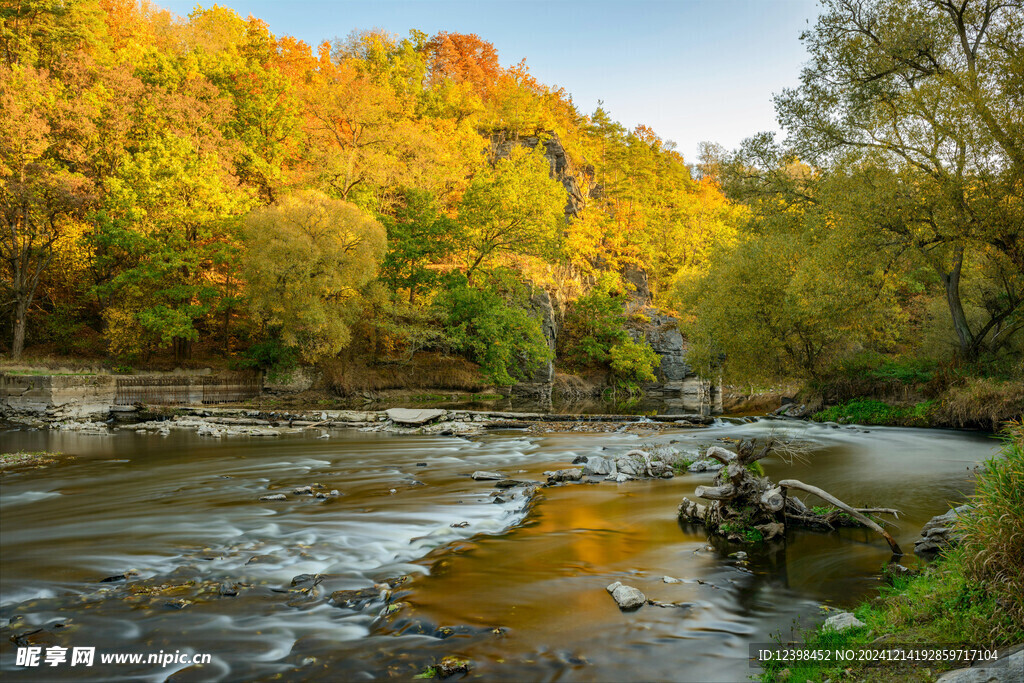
356 599
510 483
274 496
450 666
626 597
481 475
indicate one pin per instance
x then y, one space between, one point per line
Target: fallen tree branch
828 497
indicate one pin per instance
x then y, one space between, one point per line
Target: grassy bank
973 595
980 403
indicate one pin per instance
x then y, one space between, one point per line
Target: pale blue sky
692 70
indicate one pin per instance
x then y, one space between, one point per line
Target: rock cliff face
675 378
540 383
577 182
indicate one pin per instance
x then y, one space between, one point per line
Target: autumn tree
513 206
41 196
306 258
787 299
171 208
931 89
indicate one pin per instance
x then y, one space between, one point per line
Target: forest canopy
199 187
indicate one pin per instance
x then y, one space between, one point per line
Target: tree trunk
20 323
182 349
951 282
824 495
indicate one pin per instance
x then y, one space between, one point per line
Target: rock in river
595 464
415 417
627 597
564 475
274 496
481 475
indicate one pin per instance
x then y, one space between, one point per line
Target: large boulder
940 533
1006 669
596 465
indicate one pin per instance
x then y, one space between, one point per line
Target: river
521 587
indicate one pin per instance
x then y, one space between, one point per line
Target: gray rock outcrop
1007 669
541 382
940 532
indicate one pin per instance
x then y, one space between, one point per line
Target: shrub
593 325
271 356
633 363
505 339
872 411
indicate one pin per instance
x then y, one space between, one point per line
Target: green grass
874 412
748 534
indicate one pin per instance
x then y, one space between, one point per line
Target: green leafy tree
633 363
513 206
931 92
305 261
506 339
418 235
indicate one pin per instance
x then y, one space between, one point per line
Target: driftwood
853 512
746 507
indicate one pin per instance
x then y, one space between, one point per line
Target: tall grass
982 402
993 548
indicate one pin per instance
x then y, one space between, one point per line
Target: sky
693 70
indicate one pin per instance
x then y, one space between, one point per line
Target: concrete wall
71 396
93 396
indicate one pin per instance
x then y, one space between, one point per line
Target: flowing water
520 586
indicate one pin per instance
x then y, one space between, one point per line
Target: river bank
971 597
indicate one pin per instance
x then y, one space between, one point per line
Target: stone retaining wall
92 396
